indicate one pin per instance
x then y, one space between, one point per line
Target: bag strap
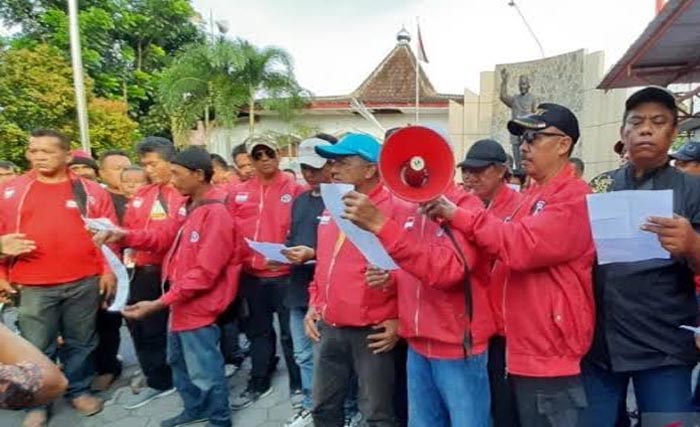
468 300
163 201
80 196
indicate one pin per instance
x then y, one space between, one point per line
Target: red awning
668 51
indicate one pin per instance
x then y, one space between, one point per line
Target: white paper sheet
122 275
692 329
616 219
118 268
100 224
367 243
271 251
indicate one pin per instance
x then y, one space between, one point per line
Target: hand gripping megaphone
417 164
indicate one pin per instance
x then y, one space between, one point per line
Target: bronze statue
520 105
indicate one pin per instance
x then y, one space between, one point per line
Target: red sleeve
558 234
216 247
154 239
435 263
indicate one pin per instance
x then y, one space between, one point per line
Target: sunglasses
530 136
258 153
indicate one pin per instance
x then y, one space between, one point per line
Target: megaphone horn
416 163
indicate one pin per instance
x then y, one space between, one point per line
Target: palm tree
268 74
203 80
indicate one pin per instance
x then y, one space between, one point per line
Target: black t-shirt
306 213
640 305
119 202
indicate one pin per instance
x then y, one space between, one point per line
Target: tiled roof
393 82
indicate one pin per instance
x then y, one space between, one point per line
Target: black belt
148 268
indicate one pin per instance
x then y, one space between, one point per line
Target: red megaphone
417 164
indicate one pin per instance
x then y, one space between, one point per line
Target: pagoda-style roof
392 84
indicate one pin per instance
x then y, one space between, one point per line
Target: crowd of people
497 315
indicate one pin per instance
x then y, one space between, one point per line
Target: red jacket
339 291
502 206
263 213
98 204
202 263
140 215
547 245
432 309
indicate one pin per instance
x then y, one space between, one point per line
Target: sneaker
231 369
87 405
303 418
354 421
36 418
138 382
147 396
249 397
182 420
103 382
296 397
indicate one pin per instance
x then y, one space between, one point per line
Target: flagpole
417 75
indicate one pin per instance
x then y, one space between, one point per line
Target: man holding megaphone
444 311
547 246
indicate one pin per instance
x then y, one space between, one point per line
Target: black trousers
401 384
340 352
503 410
265 296
549 402
108 324
150 335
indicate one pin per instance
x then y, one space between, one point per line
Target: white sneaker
147 396
230 369
354 421
303 418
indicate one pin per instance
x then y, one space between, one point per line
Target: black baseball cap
547 115
484 152
195 158
689 152
656 94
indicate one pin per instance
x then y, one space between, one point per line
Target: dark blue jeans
664 389
68 310
446 392
198 373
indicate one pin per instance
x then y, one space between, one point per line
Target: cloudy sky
337 43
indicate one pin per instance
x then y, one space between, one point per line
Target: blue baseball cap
690 151
352 144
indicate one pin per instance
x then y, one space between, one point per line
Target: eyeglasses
474 171
530 136
257 154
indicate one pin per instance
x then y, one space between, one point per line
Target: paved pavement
271 411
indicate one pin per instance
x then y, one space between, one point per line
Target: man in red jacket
262 208
202 265
547 246
485 171
152 206
444 313
353 313
63 278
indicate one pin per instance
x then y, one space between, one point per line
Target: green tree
268 78
222 78
201 82
36 91
124 43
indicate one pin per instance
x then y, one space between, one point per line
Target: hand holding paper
676 235
617 219
367 243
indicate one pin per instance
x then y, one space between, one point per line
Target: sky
337 43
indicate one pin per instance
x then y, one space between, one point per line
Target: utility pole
78 83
